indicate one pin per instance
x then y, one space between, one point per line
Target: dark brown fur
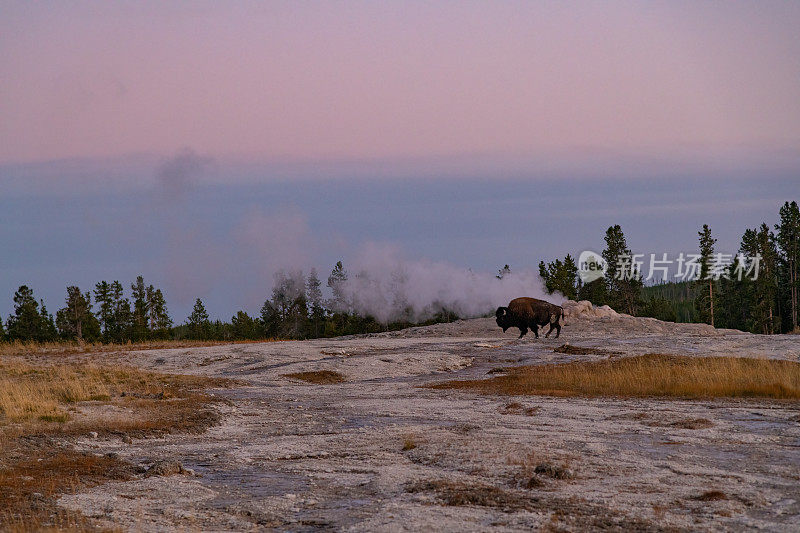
530 313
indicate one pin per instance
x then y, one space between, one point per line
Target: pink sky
361 80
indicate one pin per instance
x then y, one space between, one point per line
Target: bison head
502 318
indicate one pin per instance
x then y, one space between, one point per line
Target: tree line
106 314
141 317
766 303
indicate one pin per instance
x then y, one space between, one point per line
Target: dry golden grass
319 377
40 392
74 347
647 376
37 463
30 486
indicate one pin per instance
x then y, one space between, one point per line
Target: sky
206 144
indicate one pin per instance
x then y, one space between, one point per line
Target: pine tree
705 298
244 327
26 323
595 291
336 282
561 276
623 279
314 299
140 329
49 331
158 317
198 322
119 326
270 320
289 297
70 319
123 321
734 299
760 243
788 239
105 299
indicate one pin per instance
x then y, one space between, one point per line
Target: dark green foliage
198 322
623 279
763 291
788 240
159 322
704 301
139 319
660 308
245 327
561 276
734 299
289 300
679 295
75 320
27 323
594 291
105 314
49 331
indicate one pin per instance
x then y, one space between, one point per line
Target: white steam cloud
383 284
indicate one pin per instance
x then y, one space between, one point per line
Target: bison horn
500 311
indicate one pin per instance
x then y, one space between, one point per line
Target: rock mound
584 308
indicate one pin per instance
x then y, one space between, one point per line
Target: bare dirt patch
319 377
570 349
459 493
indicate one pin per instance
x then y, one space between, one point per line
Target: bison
524 313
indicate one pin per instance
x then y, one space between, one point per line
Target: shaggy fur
530 313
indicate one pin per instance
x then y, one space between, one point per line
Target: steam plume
389 287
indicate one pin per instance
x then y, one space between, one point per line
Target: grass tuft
711 495
651 375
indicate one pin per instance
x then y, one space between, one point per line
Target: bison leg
535 329
522 332
549 331
558 330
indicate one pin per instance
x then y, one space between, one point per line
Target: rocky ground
380 452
